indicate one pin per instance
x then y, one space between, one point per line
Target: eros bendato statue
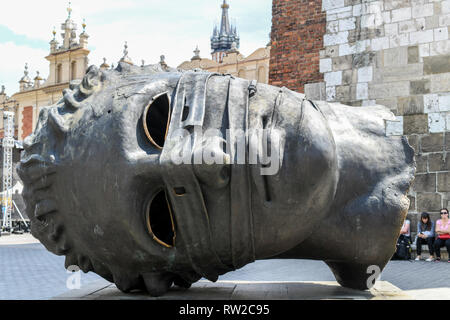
151 177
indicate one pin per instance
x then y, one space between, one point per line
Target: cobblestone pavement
30 272
406 275
10 240
413 275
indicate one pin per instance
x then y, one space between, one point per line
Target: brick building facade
394 53
298 27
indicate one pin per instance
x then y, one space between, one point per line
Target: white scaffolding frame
8 146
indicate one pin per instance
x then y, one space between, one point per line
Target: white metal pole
20 213
8 145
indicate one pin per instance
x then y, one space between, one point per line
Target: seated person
443 233
406 230
403 251
425 235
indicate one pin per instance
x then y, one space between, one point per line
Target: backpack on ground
403 251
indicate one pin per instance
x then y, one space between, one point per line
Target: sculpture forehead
131 85
121 98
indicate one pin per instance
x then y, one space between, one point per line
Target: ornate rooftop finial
225 5
25 81
84 36
104 65
25 77
225 23
125 57
54 42
69 10
38 77
69 27
162 60
196 54
37 80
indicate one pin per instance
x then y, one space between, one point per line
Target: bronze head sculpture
150 177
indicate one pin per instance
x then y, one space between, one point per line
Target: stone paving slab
31 272
430 294
418 275
17 239
245 290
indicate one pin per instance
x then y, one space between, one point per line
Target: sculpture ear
92 81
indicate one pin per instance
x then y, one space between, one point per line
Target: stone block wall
395 53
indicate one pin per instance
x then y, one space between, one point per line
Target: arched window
262 75
59 73
73 75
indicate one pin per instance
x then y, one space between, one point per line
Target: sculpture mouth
160 219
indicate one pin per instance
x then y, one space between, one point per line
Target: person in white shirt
406 229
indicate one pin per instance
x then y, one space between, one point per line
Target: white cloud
13 62
39 17
152 28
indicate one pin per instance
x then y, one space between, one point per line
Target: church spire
222 40
225 24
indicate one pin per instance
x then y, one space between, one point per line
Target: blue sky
151 27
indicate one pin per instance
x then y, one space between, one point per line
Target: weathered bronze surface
102 186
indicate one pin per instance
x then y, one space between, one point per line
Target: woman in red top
443 232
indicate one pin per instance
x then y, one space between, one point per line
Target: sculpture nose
212 163
146 166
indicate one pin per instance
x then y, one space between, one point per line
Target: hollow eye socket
160 222
156 120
